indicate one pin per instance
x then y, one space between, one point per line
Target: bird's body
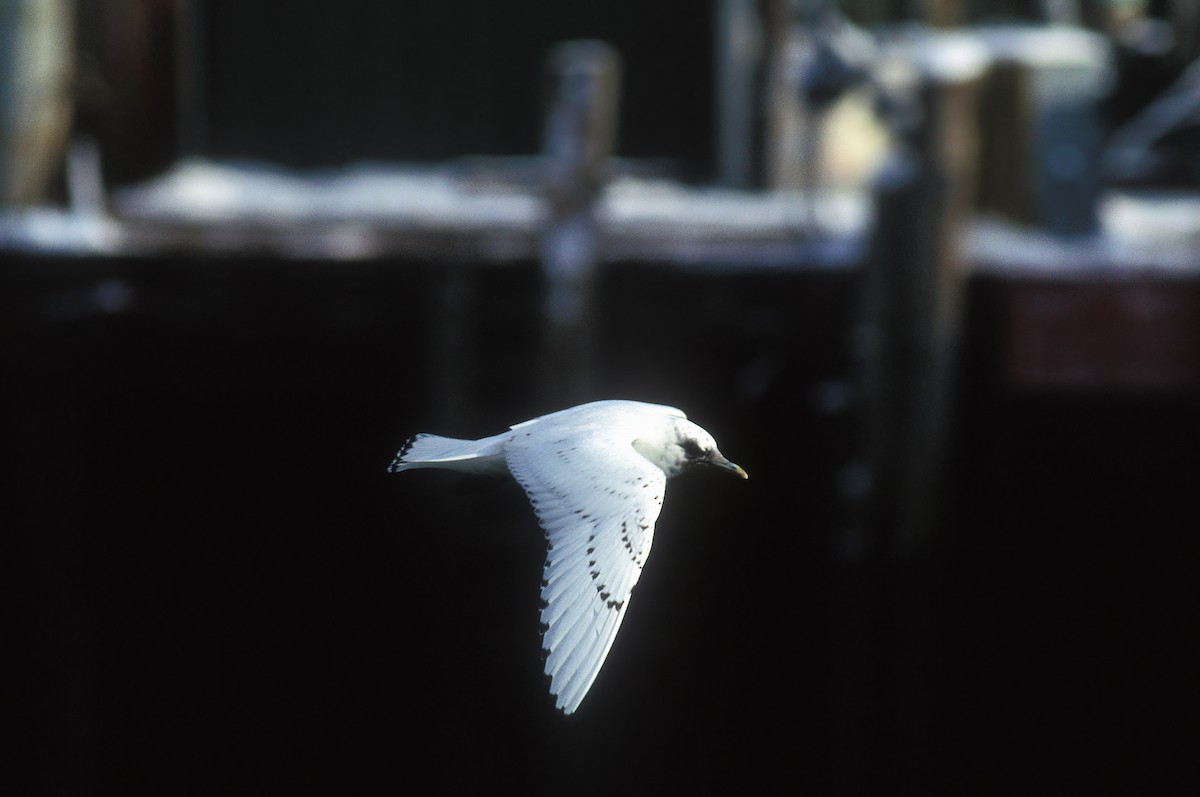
595 475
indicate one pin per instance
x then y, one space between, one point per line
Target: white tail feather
434 451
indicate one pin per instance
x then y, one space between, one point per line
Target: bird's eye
692 449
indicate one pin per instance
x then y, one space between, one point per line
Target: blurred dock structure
920 293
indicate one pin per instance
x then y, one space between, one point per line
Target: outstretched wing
597 503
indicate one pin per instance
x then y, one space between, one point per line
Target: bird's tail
434 451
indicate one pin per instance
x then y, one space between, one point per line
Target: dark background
220 589
212 586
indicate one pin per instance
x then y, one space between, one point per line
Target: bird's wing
597 501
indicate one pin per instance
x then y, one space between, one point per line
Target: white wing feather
597 502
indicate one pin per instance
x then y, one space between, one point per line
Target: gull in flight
595 475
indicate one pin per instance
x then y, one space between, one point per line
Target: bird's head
685 446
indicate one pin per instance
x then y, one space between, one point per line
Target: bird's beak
719 461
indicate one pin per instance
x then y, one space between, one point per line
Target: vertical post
904 342
192 79
738 51
36 72
579 141
927 288
785 120
906 332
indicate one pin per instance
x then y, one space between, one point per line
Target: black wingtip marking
398 460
